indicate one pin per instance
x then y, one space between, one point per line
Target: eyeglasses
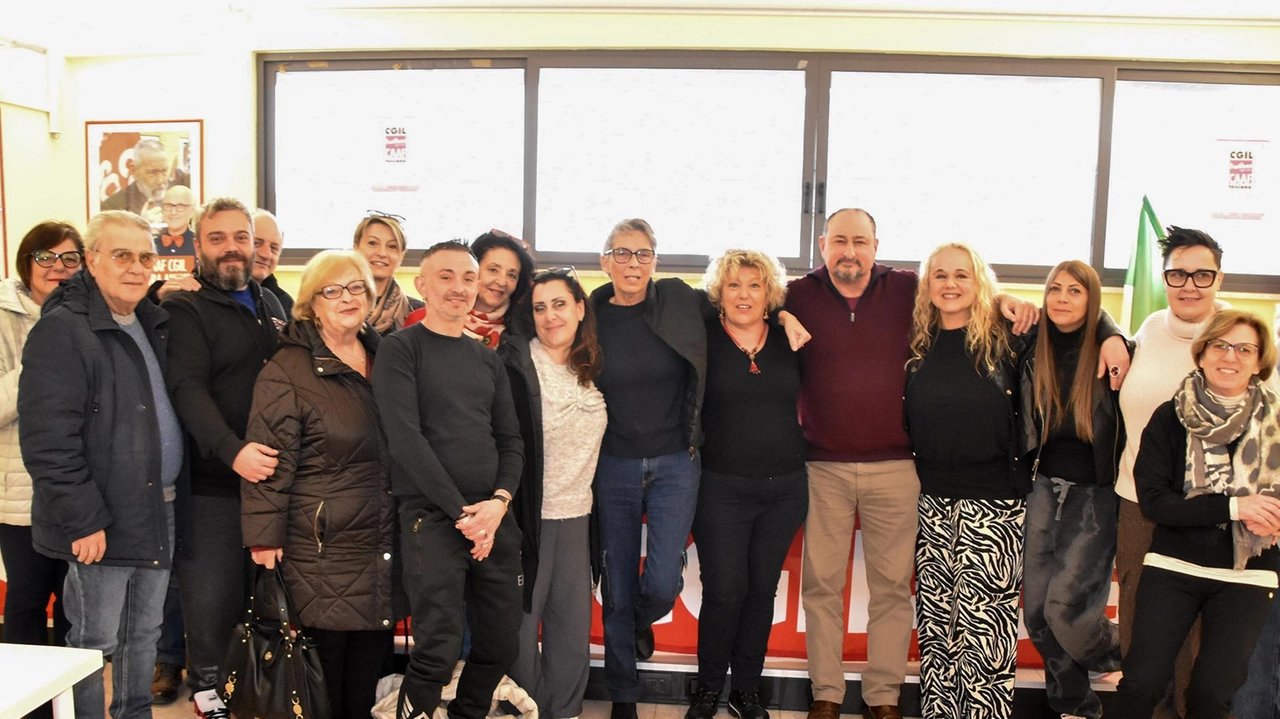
126 258
70 260
622 255
563 272
386 215
1201 278
174 207
334 291
1243 350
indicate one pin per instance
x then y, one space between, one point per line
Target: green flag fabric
1144 283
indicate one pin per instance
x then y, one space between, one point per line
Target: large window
711 158
1006 164
1208 157
443 148
1032 161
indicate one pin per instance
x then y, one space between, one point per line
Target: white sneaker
209 706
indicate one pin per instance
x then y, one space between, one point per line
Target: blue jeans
1259 698
627 489
117 610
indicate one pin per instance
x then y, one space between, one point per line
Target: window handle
806 198
822 199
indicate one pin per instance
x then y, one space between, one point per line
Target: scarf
486 327
1210 468
390 310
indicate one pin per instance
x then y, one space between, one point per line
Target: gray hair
634 224
222 204
260 212
149 144
120 218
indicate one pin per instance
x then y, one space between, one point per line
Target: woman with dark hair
506 270
49 254
1072 437
562 419
380 239
754 492
327 513
1207 475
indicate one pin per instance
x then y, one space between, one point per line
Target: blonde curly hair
986 340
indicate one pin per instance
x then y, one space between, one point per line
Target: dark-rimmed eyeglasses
1200 278
334 291
385 215
1243 350
622 255
174 206
125 258
564 272
70 260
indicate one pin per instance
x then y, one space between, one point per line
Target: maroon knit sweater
853 372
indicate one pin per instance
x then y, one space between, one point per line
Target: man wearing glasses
220 337
105 452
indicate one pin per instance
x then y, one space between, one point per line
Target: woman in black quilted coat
327 514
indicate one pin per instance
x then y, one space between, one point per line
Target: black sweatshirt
644 384
1065 455
446 408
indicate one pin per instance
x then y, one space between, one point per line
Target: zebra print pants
968 577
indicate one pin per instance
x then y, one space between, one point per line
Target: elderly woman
506 270
48 255
327 511
1071 425
1207 477
754 491
379 239
562 419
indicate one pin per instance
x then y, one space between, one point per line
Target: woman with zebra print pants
961 407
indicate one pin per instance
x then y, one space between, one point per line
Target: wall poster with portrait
155 169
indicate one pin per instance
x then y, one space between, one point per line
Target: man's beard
849 276
222 275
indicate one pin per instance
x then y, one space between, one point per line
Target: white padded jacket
18 314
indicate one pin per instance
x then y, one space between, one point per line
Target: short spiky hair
1176 237
222 204
635 224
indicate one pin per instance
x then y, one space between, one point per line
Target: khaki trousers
884 496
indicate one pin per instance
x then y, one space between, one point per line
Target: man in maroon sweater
852 378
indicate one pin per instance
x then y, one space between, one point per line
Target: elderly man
456 456
105 452
150 177
221 335
268 240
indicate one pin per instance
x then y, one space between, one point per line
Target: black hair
1176 237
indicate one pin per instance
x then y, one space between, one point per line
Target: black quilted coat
329 503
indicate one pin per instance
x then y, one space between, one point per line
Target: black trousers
352 663
33 577
439 576
211 579
743 528
1168 604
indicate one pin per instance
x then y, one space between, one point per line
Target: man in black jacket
446 407
105 452
268 241
221 335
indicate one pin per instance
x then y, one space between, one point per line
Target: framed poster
131 164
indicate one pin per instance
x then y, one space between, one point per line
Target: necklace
751 354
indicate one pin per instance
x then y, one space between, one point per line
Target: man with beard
219 337
150 178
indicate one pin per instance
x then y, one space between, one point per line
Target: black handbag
271 669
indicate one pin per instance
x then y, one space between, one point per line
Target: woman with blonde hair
379 238
326 513
1072 437
962 416
754 492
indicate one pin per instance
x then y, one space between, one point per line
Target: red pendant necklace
751 354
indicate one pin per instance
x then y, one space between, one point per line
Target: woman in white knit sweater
50 253
1193 276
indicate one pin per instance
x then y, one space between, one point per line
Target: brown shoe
164 685
888 711
824 710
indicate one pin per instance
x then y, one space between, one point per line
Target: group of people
477 459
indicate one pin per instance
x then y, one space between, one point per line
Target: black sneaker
746 705
644 643
623 710
702 704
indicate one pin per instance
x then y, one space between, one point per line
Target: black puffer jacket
89 434
329 503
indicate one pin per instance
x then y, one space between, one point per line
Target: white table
31 676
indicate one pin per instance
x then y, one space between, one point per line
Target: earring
722 313
766 314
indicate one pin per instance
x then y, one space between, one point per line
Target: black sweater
445 404
1196 530
750 420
